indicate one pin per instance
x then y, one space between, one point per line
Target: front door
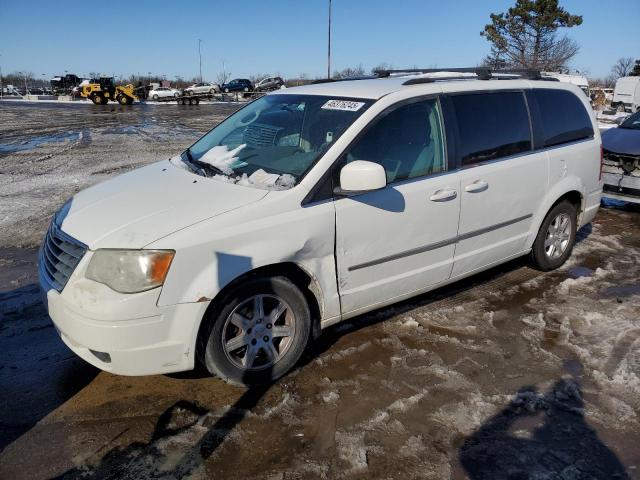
401 239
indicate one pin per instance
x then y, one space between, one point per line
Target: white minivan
312 205
626 94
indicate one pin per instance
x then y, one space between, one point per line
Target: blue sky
286 36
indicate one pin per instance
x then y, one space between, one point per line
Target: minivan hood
139 207
622 140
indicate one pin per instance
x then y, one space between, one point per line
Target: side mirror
361 176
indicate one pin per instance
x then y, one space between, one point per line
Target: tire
212 91
176 95
97 99
246 89
621 108
262 335
226 90
122 99
155 97
554 243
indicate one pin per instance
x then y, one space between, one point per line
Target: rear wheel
176 95
97 99
556 237
258 334
621 108
155 97
226 90
122 99
212 91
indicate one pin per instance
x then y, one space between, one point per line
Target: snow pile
221 157
226 161
261 179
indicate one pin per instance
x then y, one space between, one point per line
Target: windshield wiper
201 167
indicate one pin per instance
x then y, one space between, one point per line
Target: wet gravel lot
512 374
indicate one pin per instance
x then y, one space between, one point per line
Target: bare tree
622 67
381 66
222 77
350 72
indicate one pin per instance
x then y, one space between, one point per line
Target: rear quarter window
491 125
563 117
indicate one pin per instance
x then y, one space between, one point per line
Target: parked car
163 92
621 168
204 87
626 94
237 85
269 83
313 205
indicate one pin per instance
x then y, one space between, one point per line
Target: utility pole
329 46
200 57
1 87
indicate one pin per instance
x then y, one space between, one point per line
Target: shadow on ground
540 437
38 373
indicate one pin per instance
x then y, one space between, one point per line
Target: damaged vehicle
621 167
312 205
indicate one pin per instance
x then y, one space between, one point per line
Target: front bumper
621 187
139 337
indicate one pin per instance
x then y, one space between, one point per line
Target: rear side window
563 117
491 125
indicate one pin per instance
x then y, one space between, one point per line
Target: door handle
477 186
443 195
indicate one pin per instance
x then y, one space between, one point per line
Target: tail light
601 162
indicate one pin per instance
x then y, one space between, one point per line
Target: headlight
130 271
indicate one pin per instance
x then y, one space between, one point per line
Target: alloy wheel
258 332
558 235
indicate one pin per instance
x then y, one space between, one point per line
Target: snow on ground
609 119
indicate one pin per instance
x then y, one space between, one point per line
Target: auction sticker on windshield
346 105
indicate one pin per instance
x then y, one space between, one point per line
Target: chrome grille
59 256
259 135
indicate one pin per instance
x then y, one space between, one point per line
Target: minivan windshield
633 122
273 141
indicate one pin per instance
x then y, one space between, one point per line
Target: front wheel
258 334
556 237
621 108
155 97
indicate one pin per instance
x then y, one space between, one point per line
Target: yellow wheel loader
100 91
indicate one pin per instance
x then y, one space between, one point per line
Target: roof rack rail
331 80
483 73
528 73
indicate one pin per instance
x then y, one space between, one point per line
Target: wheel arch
294 272
570 190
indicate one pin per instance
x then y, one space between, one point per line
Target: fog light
102 356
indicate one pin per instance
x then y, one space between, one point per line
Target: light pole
329 45
1 87
200 57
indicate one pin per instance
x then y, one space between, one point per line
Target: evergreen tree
526 36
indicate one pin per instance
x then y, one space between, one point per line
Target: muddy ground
512 374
